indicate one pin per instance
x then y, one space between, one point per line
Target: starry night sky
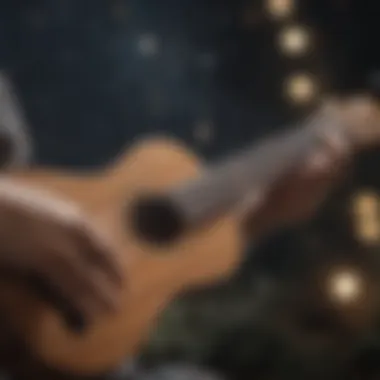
93 75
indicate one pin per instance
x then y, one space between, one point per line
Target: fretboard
222 186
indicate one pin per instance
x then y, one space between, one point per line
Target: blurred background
94 75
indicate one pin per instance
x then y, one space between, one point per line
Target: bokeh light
366 217
280 9
294 41
300 88
203 132
345 286
148 45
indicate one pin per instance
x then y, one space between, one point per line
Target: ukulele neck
220 188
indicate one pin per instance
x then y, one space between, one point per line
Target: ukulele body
154 274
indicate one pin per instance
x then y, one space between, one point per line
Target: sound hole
157 220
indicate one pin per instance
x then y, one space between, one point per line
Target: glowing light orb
148 45
345 286
294 41
280 8
300 88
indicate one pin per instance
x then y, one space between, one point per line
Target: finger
71 280
327 159
44 289
75 318
87 282
99 252
78 310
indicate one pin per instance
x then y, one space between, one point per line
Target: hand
48 241
359 119
299 194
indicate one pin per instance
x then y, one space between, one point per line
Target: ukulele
176 224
